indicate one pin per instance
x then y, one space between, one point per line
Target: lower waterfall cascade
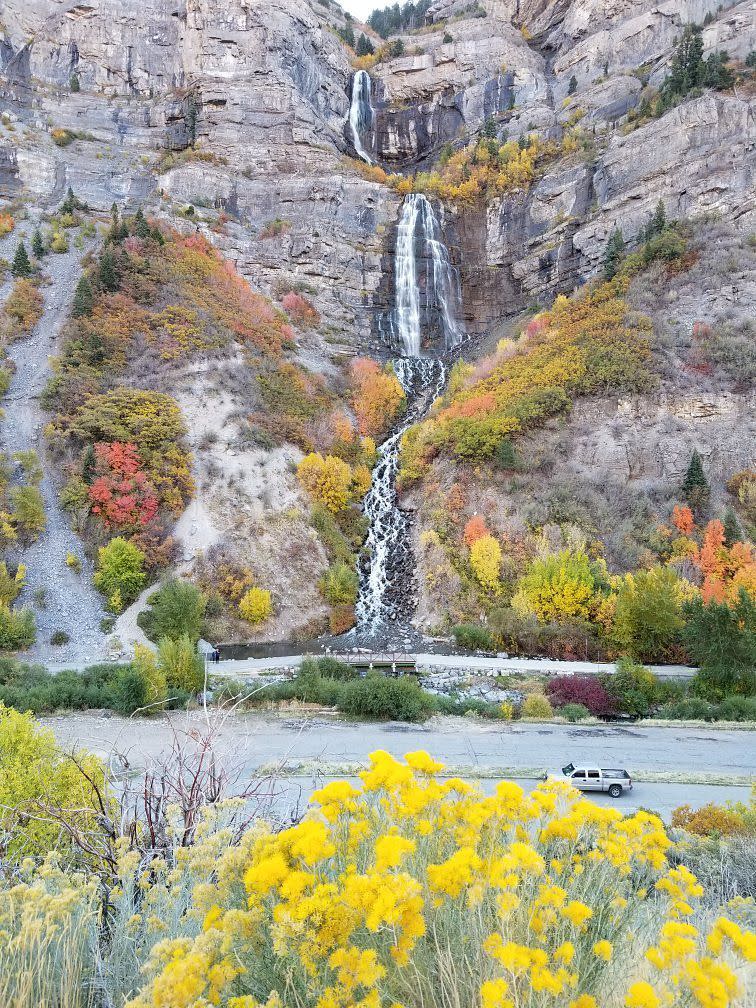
428 302
387 575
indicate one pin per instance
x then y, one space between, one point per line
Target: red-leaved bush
122 494
299 309
582 689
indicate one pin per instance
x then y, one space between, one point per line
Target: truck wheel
615 791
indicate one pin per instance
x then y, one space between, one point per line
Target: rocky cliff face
231 118
529 67
256 96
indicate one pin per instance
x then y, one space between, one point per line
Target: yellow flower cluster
414 889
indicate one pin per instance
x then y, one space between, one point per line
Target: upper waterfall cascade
361 115
428 297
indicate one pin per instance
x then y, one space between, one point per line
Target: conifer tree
659 219
365 46
732 530
573 85
37 245
70 203
83 301
21 267
141 227
489 128
109 272
615 249
695 486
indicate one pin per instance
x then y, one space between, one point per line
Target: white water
361 112
387 582
427 285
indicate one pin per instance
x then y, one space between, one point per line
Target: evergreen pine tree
69 203
347 35
83 298
365 46
141 227
732 530
659 219
615 249
695 486
109 272
21 267
37 245
489 128
572 86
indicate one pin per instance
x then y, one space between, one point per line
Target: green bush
384 698
128 691
635 688
688 709
18 629
472 637
332 668
376 696
31 687
330 535
574 712
461 706
120 572
339 584
175 610
737 708
182 667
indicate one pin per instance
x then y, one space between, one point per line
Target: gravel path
72 604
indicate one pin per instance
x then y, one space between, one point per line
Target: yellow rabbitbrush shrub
418 891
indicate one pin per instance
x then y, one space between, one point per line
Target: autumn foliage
23 308
327 479
591 343
122 494
475 529
377 396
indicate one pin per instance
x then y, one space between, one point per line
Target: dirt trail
71 603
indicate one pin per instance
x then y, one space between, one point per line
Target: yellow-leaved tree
560 586
255 605
485 560
41 787
327 479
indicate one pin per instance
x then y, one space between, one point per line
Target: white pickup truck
614 782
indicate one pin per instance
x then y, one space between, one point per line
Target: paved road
325 743
294 792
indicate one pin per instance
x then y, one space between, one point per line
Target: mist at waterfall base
423 326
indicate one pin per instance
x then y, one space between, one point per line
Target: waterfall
361 112
427 290
427 306
387 576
